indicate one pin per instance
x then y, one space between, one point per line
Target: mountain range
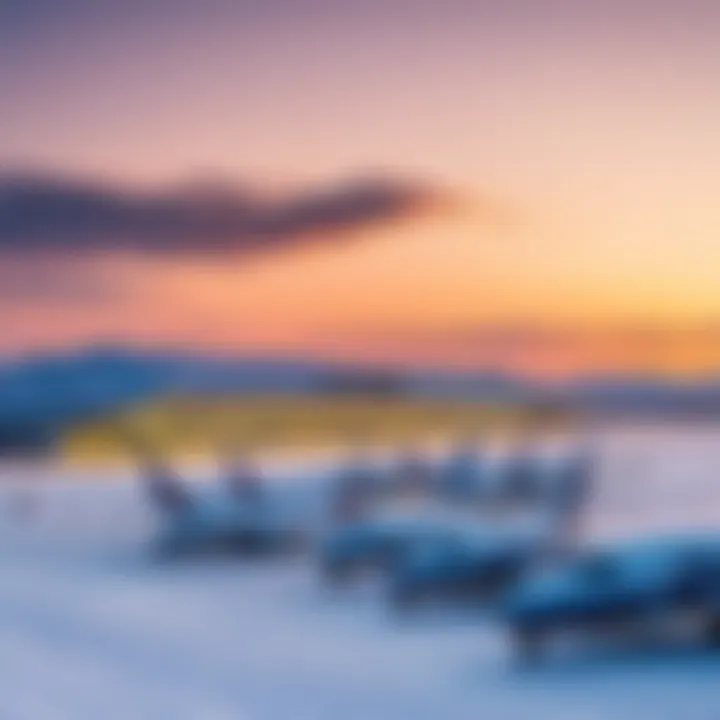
42 394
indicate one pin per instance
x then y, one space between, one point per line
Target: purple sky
593 123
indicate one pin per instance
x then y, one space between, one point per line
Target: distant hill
42 395
642 396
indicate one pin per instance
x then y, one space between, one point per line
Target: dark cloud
66 281
55 214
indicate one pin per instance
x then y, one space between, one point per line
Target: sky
527 185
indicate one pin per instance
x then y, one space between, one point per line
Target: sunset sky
520 184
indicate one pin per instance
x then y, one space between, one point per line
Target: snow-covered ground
90 630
